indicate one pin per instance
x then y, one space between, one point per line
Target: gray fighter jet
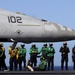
15 26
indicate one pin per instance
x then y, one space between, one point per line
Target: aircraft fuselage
23 28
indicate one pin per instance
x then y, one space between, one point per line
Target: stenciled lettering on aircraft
62 27
51 28
13 19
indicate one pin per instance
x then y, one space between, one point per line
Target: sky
57 11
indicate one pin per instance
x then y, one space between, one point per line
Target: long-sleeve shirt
42 64
50 51
64 50
44 51
22 52
33 51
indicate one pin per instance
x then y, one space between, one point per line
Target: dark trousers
74 65
12 63
20 64
2 64
20 60
50 62
33 60
45 56
64 59
24 62
73 59
38 69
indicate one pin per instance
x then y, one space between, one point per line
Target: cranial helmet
45 44
22 44
64 43
33 44
1 44
50 44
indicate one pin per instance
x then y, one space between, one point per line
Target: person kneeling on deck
42 65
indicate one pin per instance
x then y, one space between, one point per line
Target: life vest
44 51
1 53
12 53
3 49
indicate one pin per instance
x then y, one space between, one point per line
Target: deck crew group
17 57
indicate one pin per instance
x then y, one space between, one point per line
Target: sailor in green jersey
50 57
33 55
22 56
44 50
42 65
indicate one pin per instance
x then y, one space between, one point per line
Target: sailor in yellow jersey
13 57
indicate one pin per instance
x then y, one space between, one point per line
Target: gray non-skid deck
37 73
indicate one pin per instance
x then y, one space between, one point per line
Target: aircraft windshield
44 20
20 13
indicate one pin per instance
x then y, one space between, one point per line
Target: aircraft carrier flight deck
38 73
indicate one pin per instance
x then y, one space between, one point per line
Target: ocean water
58 68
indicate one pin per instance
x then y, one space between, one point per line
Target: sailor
22 56
17 58
2 58
12 56
73 57
44 50
42 65
33 55
50 56
64 55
